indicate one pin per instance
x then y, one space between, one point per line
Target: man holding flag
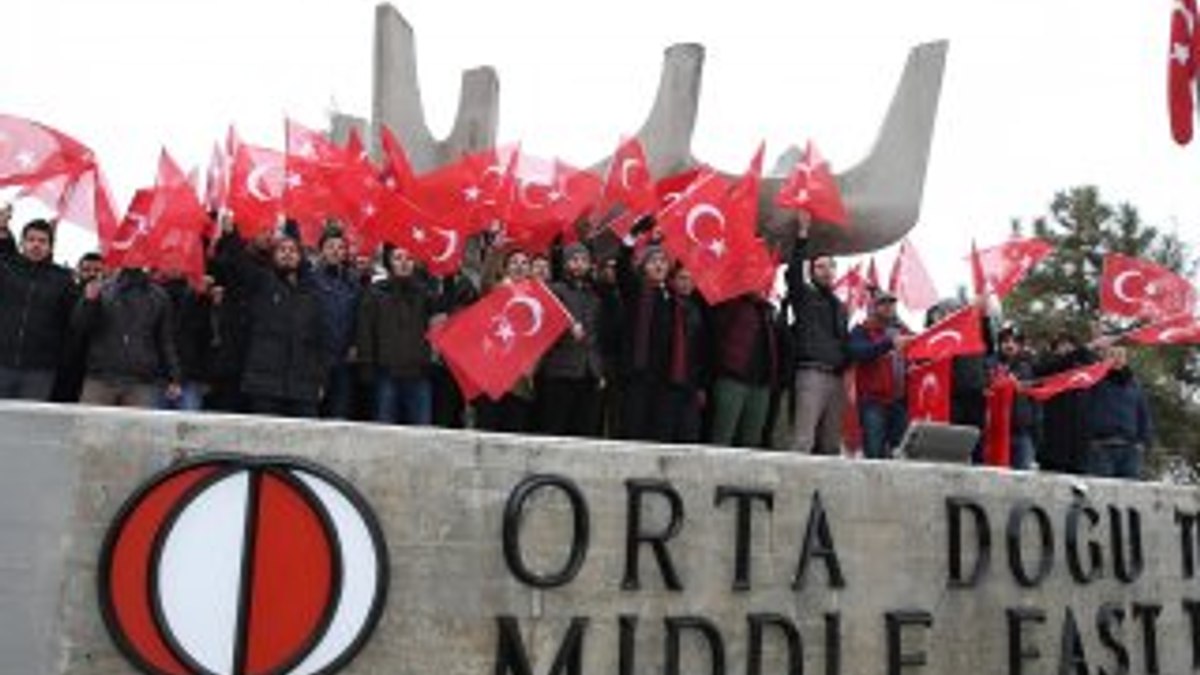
820 341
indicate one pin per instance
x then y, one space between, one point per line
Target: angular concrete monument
883 192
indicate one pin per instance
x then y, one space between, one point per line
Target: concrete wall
440 497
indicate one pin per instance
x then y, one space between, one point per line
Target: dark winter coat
286 348
36 300
392 321
1117 410
820 328
571 358
130 331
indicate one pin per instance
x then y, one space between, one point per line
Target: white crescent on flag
1119 285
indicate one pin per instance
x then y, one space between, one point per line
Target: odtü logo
234 565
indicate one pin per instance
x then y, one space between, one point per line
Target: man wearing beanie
571 374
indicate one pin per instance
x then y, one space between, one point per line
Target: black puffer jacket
821 332
36 300
130 330
286 355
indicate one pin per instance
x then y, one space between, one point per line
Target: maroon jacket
746 347
878 366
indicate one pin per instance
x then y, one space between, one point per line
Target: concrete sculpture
882 192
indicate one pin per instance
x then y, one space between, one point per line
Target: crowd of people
280 330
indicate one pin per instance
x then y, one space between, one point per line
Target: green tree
1062 294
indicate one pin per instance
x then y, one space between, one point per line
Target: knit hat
577 248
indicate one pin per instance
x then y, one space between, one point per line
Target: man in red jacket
876 348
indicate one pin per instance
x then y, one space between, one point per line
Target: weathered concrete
882 192
441 495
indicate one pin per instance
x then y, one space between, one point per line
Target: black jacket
821 332
648 318
286 355
36 300
392 321
130 330
193 328
571 358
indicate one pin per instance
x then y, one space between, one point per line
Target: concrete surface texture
861 564
882 192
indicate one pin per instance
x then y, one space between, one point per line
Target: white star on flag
25 159
717 247
294 180
418 233
1180 53
368 209
472 193
505 332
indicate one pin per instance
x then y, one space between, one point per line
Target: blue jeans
190 398
1023 451
883 426
1114 459
30 385
339 392
404 400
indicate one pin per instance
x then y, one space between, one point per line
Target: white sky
1039 95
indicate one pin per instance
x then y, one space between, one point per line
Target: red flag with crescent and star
959 334
501 337
1136 288
1180 330
31 153
472 192
1000 268
929 391
396 172
1083 377
627 184
312 161
256 189
163 228
997 433
1182 69
724 254
812 187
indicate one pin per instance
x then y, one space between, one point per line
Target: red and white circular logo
233 565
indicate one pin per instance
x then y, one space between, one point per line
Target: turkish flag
1182 69
929 388
1083 377
1180 330
549 198
811 187
256 189
627 183
956 335
1001 268
308 196
997 439
31 153
472 192
163 228
724 254
396 172
978 278
744 192
354 148
502 336
671 188
851 288
432 241
123 249
1132 287
466 384
910 281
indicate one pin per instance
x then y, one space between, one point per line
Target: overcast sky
1039 95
